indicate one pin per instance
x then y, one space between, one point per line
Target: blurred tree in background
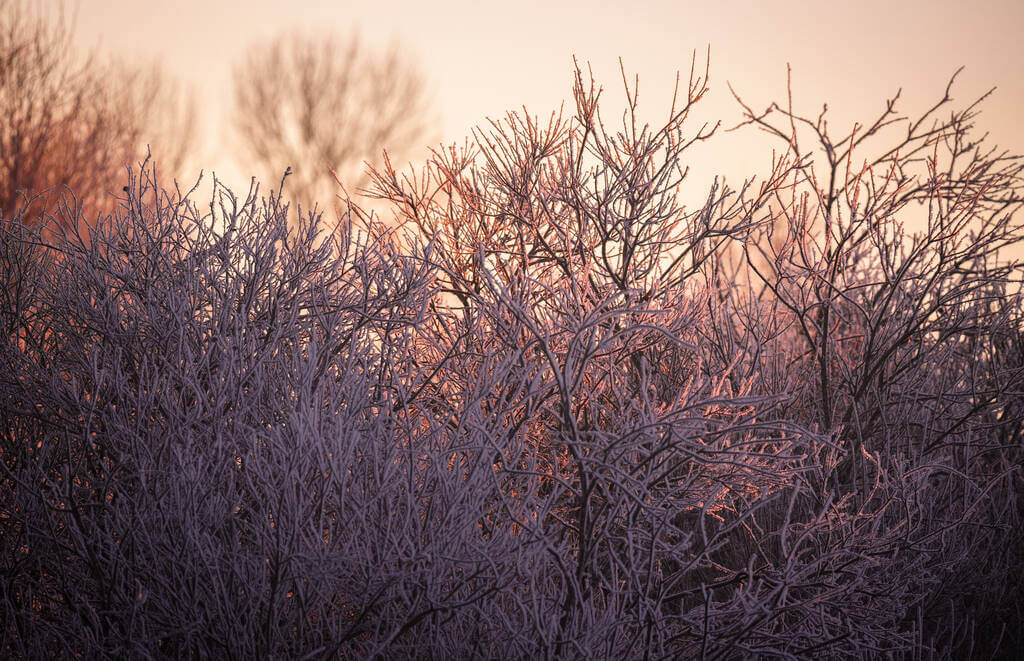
322 104
72 122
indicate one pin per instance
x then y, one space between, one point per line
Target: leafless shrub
543 415
886 262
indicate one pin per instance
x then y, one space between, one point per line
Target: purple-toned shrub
547 410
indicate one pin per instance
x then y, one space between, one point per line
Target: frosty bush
549 411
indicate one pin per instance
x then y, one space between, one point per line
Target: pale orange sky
484 58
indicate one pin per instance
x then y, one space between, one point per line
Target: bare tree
74 122
324 105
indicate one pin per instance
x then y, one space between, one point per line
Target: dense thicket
552 410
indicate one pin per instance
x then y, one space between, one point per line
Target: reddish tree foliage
74 124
